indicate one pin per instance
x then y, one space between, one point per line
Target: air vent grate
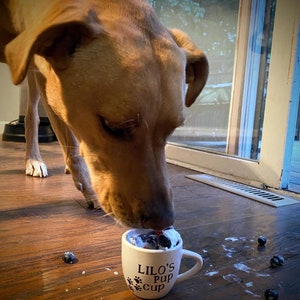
253 193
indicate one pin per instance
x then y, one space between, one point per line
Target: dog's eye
122 130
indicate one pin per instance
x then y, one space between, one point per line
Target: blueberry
274 262
69 257
271 294
151 240
143 237
164 241
262 240
280 258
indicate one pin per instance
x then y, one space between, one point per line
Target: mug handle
197 266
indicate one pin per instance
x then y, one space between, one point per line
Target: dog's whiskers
117 223
110 214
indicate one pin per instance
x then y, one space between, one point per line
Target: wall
9 98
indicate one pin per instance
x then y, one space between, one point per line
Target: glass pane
256 78
212 25
294 119
294 182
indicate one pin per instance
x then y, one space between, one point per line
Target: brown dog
111 75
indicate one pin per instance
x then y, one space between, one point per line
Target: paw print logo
138 287
135 283
137 279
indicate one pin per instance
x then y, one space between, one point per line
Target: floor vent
253 193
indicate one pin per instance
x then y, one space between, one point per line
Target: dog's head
117 79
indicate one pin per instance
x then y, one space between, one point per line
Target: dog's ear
196 67
56 41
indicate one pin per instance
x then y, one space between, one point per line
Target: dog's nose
158 221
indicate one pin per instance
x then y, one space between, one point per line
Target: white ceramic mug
151 274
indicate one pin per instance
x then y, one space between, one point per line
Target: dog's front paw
76 166
92 202
67 170
90 197
36 168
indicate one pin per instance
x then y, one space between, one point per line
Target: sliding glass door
238 126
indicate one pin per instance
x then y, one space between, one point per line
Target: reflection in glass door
212 25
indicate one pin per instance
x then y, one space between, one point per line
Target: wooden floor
42 218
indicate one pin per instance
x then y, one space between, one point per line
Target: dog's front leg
75 163
34 162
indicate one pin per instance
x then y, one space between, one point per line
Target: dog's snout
158 221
